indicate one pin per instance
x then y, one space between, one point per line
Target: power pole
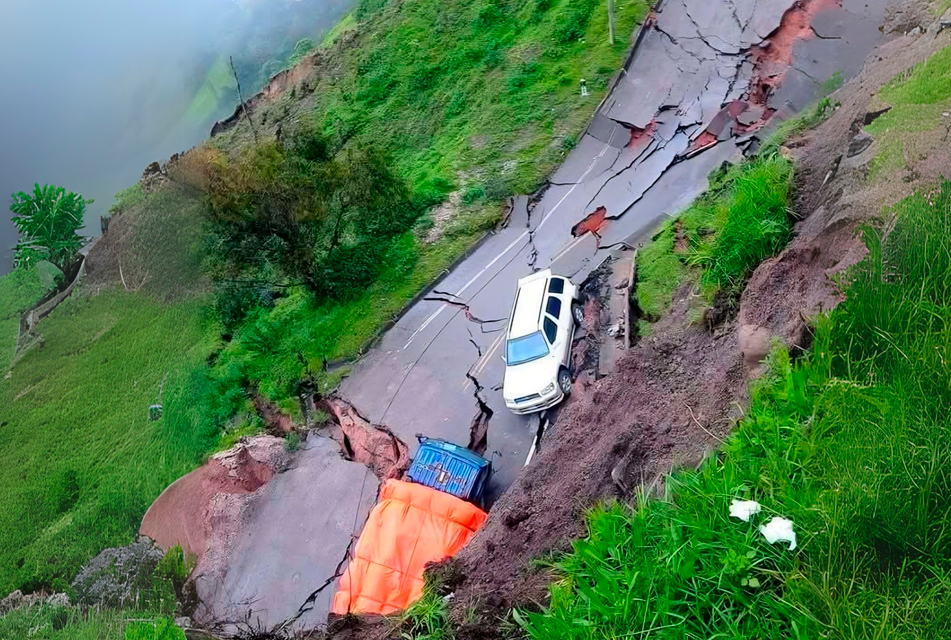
244 107
610 21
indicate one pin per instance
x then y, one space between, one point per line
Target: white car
537 351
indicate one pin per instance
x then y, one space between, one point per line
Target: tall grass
44 622
721 237
851 444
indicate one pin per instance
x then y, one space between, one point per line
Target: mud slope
675 394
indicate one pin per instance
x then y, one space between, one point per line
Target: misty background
93 91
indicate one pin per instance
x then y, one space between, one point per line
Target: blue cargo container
451 469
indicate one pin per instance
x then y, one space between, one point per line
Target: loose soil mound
199 508
668 403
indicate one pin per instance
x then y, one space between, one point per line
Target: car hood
528 378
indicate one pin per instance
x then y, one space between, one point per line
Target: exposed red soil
187 513
639 136
593 223
703 141
680 240
369 444
276 422
773 56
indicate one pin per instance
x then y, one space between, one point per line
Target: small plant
292 442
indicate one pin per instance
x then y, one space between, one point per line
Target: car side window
556 285
553 307
551 330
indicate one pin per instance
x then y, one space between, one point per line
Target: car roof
526 313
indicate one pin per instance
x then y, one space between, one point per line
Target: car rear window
551 329
556 285
553 307
526 348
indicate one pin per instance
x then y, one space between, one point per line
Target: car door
558 312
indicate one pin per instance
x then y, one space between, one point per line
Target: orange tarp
411 526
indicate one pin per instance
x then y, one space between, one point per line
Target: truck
427 517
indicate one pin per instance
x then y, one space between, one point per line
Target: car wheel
564 381
577 312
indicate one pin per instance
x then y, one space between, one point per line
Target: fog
94 90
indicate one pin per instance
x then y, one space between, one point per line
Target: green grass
738 223
488 88
850 444
918 98
349 23
279 346
83 462
941 6
19 291
70 623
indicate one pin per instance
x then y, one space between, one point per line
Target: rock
117 576
755 344
860 143
58 600
11 602
183 623
622 284
17 600
915 32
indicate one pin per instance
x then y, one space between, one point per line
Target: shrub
292 443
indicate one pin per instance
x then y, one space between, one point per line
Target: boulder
116 577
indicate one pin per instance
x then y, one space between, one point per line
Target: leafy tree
48 220
295 212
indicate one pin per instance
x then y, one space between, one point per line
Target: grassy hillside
83 462
484 93
19 291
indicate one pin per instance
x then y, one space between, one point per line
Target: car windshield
526 349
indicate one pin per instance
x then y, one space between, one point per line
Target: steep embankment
674 398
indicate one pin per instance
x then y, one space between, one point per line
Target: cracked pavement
686 102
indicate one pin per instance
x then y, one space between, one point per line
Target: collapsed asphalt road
704 77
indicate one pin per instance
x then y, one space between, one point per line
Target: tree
48 220
297 212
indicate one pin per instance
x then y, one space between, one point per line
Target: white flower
779 530
744 509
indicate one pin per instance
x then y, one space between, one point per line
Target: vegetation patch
485 93
847 444
919 100
82 460
19 291
721 237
